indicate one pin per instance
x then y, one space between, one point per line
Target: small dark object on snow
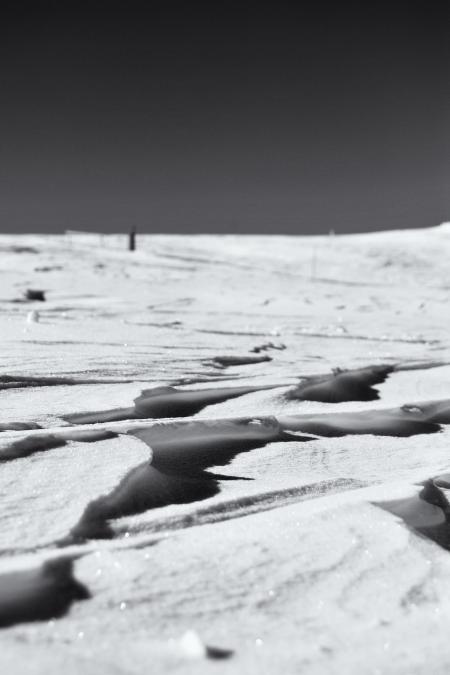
48 268
32 294
218 653
266 346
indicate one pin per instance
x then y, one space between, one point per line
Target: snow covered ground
199 530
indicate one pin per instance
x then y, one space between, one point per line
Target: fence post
132 240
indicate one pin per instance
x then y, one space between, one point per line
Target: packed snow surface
225 453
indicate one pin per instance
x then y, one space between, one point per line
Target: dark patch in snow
428 513
226 361
29 445
177 471
39 594
408 420
165 402
342 385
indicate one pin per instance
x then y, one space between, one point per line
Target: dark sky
244 117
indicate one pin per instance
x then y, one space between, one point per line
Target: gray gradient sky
222 117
